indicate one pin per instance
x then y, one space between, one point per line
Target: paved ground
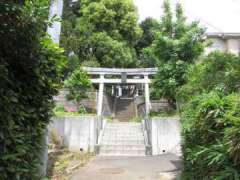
163 167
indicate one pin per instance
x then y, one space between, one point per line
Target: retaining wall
166 137
90 102
75 132
156 105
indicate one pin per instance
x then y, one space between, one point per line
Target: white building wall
217 44
231 45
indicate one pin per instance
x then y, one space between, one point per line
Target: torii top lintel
119 71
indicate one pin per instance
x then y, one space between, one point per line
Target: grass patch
135 119
62 163
61 111
109 118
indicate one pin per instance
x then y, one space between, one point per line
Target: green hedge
30 71
217 71
211 119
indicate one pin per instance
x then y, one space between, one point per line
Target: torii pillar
147 94
100 95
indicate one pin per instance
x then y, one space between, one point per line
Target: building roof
223 35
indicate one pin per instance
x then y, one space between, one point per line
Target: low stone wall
156 105
75 132
90 103
166 137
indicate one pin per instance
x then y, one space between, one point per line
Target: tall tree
105 31
176 46
148 26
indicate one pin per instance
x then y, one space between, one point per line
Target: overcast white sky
217 15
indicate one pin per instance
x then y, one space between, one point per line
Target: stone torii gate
144 72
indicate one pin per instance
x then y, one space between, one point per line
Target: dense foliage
78 85
217 71
148 26
30 67
176 45
211 131
210 118
102 30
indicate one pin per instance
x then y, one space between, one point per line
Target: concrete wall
166 136
75 132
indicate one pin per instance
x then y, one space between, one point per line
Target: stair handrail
147 125
99 127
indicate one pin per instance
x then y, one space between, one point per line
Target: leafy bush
210 118
217 71
78 85
30 71
211 137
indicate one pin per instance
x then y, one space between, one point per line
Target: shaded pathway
130 168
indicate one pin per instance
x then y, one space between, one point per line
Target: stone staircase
125 109
122 139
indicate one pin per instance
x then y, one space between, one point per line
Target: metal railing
99 127
147 126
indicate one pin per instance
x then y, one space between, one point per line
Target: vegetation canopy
175 47
104 31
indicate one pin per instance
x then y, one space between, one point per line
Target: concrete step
124 127
104 139
119 138
123 123
137 134
125 109
123 139
123 142
123 132
126 135
123 147
122 153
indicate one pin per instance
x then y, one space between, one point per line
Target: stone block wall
156 105
89 103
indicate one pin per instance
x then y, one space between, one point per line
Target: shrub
217 71
78 85
30 71
211 137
